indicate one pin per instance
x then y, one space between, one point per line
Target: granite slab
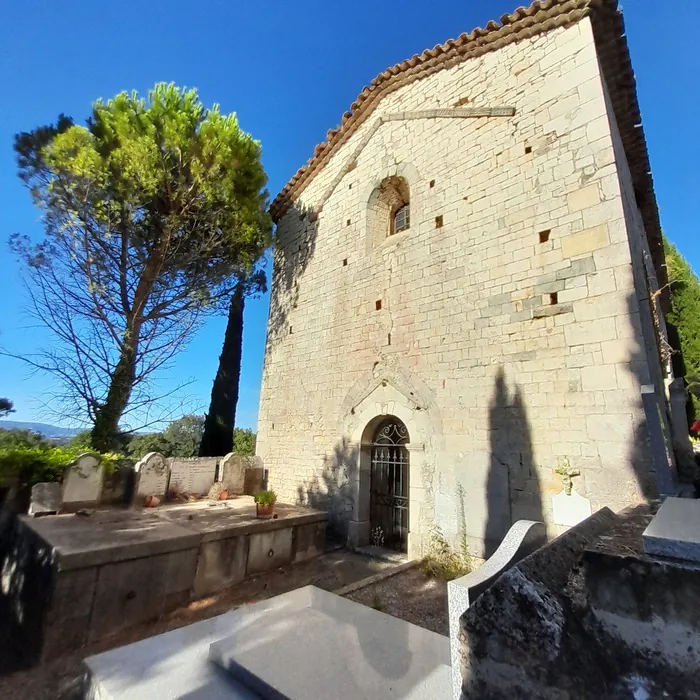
675 530
324 646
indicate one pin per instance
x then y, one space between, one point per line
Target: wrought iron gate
388 501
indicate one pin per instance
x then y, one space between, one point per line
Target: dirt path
410 596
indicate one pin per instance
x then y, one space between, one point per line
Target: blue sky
289 70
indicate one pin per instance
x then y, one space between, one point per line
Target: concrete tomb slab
675 530
109 536
46 499
323 646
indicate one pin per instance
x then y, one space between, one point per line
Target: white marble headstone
570 510
82 483
152 476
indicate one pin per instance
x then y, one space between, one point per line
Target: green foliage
153 211
184 435
685 315
266 498
6 407
26 458
141 444
442 561
21 438
182 438
244 442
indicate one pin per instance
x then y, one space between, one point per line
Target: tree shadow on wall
513 488
331 489
652 437
291 256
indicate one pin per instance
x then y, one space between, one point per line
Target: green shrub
442 561
27 459
25 464
266 498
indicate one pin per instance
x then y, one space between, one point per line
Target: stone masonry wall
505 349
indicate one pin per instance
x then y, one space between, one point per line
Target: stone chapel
466 327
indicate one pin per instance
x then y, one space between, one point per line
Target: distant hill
52 432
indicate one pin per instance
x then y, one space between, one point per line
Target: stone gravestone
195 476
255 477
82 483
45 499
233 473
570 509
151 476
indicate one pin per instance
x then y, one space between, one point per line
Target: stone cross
566 472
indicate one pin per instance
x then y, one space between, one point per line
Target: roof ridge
522 23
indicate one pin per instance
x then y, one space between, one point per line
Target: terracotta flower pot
264 510
151 502
223 496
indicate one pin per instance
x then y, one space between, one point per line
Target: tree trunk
105 432
217 439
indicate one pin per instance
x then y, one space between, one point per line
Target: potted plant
265 503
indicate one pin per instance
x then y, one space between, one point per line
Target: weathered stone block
584 198
585 242
268 550
309 541
221 563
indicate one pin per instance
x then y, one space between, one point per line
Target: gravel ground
58 679
410 596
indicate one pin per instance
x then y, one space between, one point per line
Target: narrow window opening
350 186
438 221
378 304
290 330
348 222
388 339
432 183
528 149
345 262
544 235
554 298
402 219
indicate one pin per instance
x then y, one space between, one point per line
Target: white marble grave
570 509
675 530
82 482
307 643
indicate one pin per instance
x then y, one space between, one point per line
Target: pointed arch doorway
389 494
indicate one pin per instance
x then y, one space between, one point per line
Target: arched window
389 208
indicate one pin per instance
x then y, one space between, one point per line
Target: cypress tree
685 315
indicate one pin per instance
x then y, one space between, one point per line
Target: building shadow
513 488
332 488
650 455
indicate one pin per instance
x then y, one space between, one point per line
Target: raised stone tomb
76 579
